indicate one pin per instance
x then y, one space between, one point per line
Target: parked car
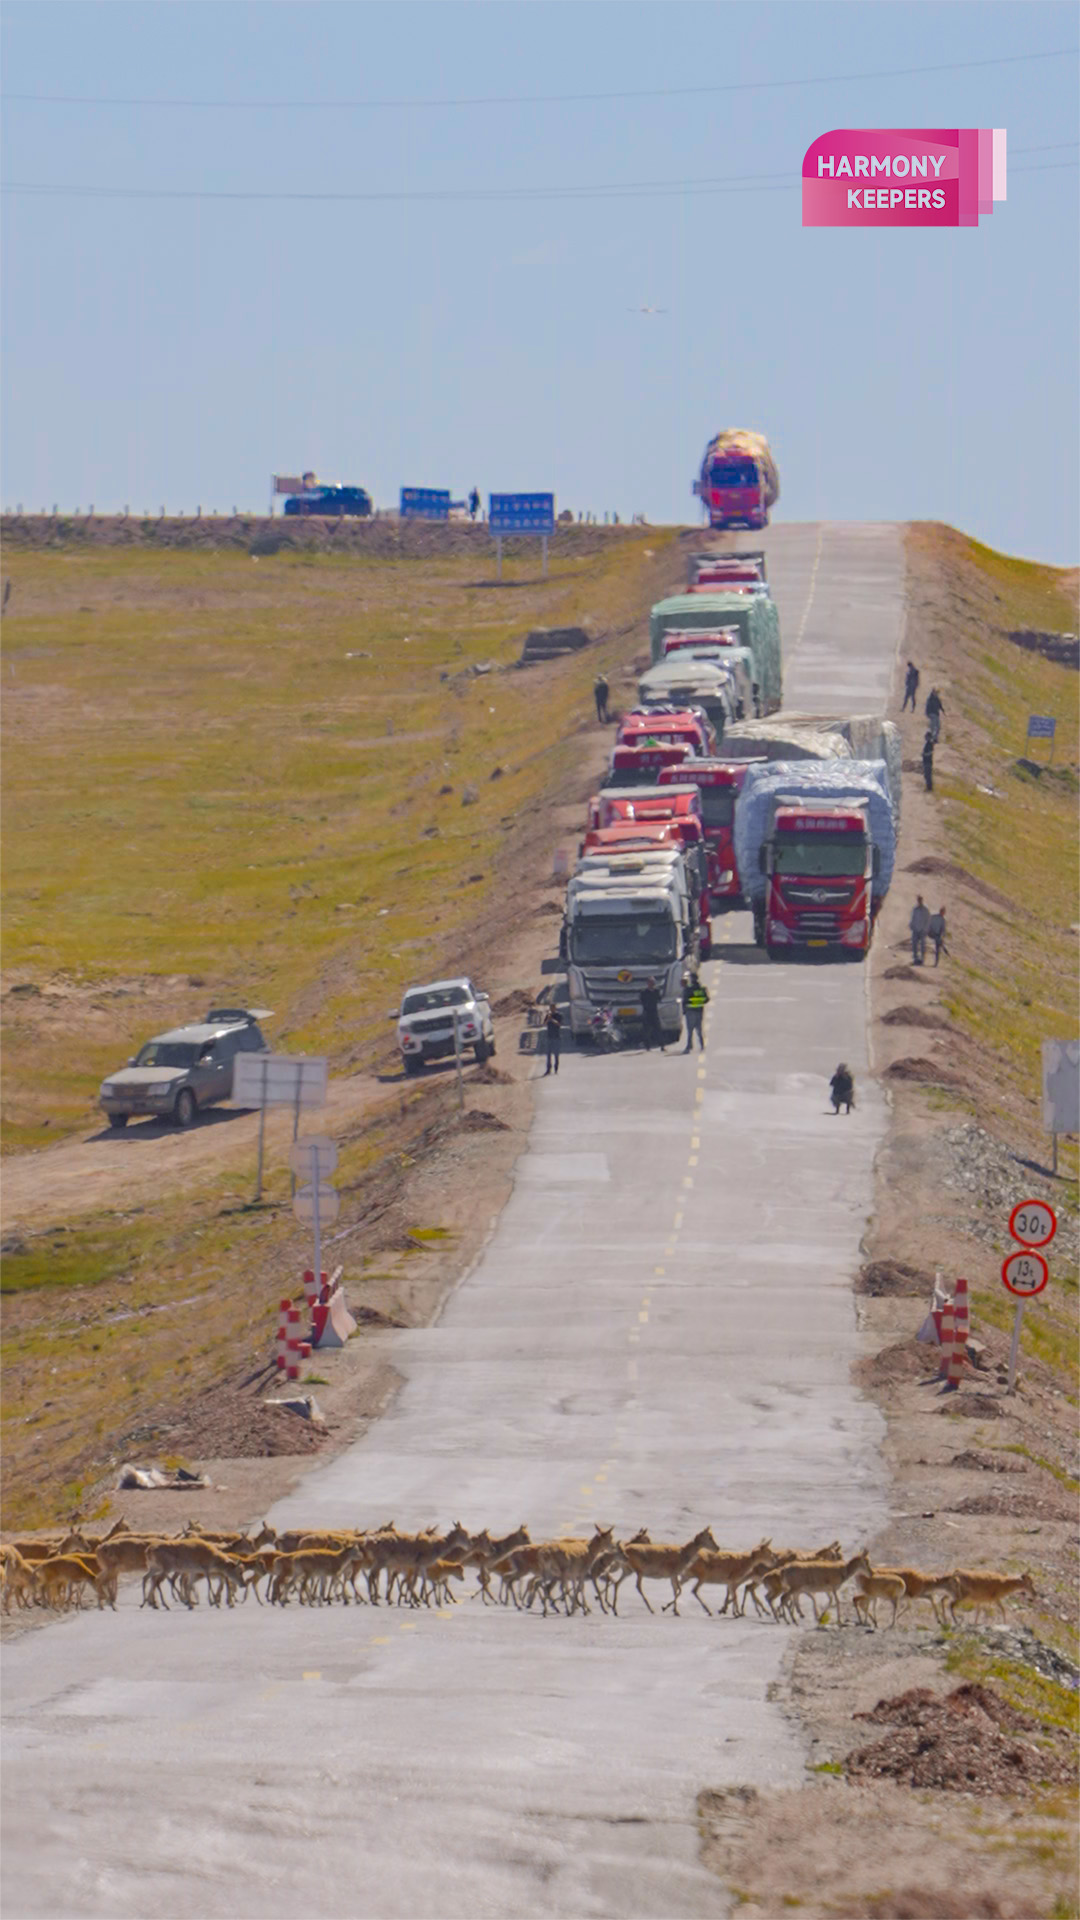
177 1073
427 1018
330 501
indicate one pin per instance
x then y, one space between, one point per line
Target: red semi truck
738 481
676 728
718 782
819 863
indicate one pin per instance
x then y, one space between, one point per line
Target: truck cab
638 766
718 783
667 727
678 809
621 933
734 493
819 862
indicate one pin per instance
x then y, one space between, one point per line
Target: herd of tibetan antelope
415 1569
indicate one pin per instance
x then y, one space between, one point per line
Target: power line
540 99
612 190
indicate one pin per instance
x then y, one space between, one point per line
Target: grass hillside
268 778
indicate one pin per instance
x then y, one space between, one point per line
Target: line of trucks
714 801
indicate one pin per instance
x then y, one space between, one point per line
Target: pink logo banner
903 176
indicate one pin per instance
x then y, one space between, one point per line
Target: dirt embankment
384 537
942 1760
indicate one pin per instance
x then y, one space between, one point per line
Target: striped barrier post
282 1341
960 1333
947 1342
292 1365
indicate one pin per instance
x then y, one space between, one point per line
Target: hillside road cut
658 1333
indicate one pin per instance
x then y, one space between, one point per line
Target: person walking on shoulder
920 927
911 685
650 1016
935 707
600 695
936 930
695 1000
842 1089
553 1039
928 761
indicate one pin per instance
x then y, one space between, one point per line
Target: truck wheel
480 1052
759 930
118 1119
185 1109
411 1063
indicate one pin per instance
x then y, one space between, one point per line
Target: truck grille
442 1023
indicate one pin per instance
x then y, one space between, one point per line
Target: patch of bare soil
894 1277
232 1421
935 865
916 1017
927 1073
911 976
972 1741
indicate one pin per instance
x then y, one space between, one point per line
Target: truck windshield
623 943
631 777
820 853
734 473
432 1000
167 1053
718 806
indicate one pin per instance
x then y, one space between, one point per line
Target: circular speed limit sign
1025 1273
1033 1223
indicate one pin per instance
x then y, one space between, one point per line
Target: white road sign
1061 1086
313 1159
1033 1223
1025 1273
304 1205
279 1080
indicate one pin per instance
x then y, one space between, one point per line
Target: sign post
1033 1223
520 513
1042 726
314 1159
277 1080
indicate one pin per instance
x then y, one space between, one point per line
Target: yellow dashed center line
407 1626
643 1316
693 1160
380 1640
314 1674
446 1613
659 1272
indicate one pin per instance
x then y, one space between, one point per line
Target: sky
476 323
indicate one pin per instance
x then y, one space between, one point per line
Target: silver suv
427 1019
174 1075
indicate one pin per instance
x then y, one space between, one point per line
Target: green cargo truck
755 616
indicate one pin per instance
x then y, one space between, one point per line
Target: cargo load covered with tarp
815 736
829 781
733 443
754 615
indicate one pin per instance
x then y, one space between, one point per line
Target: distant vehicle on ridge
330 501
738 481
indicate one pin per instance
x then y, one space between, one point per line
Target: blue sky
176 351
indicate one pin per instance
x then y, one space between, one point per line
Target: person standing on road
842 1089
474 503
650 1016
695 1000
920 927
936 930
553 1039
911 685
928 761
600 695
935 707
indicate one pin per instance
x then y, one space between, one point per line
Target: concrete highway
659 1333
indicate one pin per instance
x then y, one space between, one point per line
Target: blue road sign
521 513
1041 726
425 503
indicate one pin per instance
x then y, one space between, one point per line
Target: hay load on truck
818 736
815 844
754 616
738 481
718 782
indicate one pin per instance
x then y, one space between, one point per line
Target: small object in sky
646 309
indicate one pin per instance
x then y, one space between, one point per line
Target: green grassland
1013 976
250 772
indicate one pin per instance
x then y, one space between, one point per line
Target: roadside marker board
313 1158
316 1206
1033 1223
278 1080
1025 1273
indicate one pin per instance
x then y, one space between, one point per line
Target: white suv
427 1021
